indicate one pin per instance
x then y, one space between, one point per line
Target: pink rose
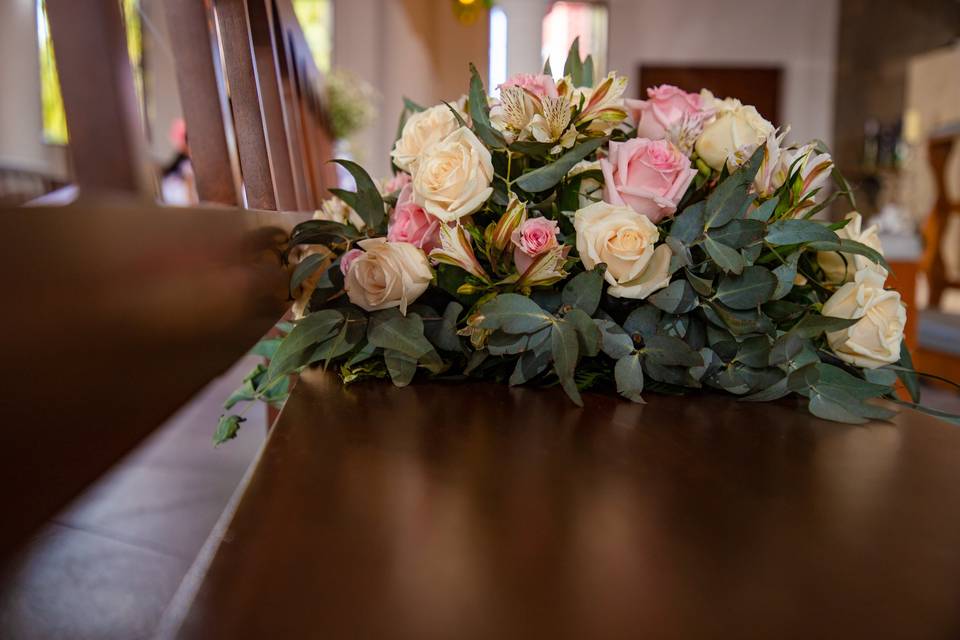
649 176
540 85
396 183
530 239
347 259
666 108
411 223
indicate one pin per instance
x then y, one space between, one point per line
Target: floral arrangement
561 234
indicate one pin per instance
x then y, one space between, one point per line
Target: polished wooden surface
475 511
115 313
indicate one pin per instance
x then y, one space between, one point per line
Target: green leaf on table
670 351
400 366
688 226
227 428
677 297
529 366
304 269
747 290
351 333
739 233
784 232
909 378
366 201
726 258
547 176
389 329
297 346
838 395
774 392
731 198
614 340
584 289
565 347
480 112
587 331
629 377
513 313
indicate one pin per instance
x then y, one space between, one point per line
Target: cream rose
388 274
452 178
875 340
839 267
421 131
733 135
625 241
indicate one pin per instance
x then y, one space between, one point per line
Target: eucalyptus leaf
293 351
786 274
731 197
669 351
513 313
583 290
738 322
529 366
547 176
227 428
677 297
739 233
322 232
388 329
687 227
747 290
702 285
628 374
304 269
501 343
909 378
726 258
588 332
785 232
754 352
443 333
844 245
764 211
400 366
615 342
643 320
565 348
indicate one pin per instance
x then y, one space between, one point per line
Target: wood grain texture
115 313
477 511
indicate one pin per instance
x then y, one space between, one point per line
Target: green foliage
227 428
480 112
366 201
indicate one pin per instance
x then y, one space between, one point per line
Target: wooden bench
477 511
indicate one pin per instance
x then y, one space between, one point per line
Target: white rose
875 340
388 274
733 135
421 131
839 267
452 178
625 241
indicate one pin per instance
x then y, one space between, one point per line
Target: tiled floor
107 566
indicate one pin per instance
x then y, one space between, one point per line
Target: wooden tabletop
477 511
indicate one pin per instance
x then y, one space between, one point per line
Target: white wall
799 36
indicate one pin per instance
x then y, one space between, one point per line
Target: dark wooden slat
107 140
204 102
115 313
291 106
265 58
478 511
255 161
